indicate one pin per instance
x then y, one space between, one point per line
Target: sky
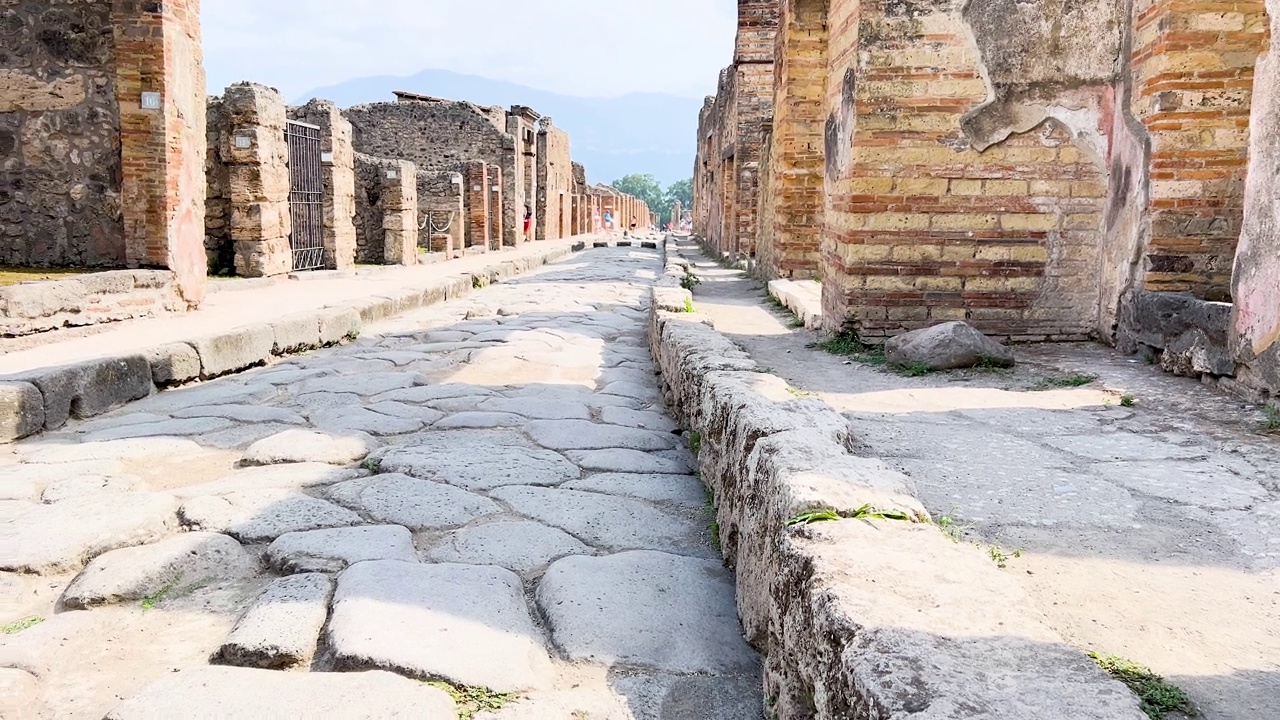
597 48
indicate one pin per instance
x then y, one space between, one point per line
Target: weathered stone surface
478 461
90 388
627 461
586 435
21 410
280 630
234 350
685 490
164 428
242 413
295 333
131 449
263 515
644 419
64 536
676 697
364 385
338 324
243 694
538 409
520 546
173 364
358 419
86 485
480 420
402 410
300 446
946 347
647 393
608 522
635 608
293 476
134 573
412 502
466 624
335 549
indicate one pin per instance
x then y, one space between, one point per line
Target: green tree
647 188
682 191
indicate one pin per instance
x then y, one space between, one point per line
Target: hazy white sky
575 47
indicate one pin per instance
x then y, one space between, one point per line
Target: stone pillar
257 157
476 191
497 210
339 181
400 213
160 86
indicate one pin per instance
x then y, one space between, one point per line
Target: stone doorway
306 196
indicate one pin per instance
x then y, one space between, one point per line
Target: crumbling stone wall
386 211
554 213
521 182
251 143
443 135
338 161
441 228
219 247
59 136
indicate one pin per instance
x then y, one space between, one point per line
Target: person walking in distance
528 221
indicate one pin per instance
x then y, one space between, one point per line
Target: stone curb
856 618
46 398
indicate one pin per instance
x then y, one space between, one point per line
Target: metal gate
306 195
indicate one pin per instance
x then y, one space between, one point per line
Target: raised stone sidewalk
41 387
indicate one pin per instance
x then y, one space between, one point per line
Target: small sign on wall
244 142
476 188
326 157
150 101
392 174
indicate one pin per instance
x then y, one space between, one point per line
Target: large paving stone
131 449
628 461
649 609
539 409
613 523
64 536
675 697
336 549
164 428
519 545
21 410
299 446
466 624
429 393
358 419
478 461
586 435
480 420
263 515
242 694
295 476
685 490
643 419
404 410
646 393
364 384
412 502
136 572
243 413
86 485
234 350
282 627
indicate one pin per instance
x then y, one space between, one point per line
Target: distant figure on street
608 221
528 221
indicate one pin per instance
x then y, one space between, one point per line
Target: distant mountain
612 137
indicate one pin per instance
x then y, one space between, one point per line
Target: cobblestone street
487 493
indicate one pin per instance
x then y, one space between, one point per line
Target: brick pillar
476 191
339 181
257 157
400 213
1192 68
163 147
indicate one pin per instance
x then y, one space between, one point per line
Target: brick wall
554 211
59 136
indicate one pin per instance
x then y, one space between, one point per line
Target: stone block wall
60 164
521 179
251 144
476 182
553 216
386 211
338 161
219 247
442 223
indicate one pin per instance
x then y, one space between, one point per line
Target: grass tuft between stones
1065 381
866 512
1156 696
472 700
18 626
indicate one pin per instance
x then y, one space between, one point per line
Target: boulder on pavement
281 628
241 694
947 347
299 446
336 549
137 572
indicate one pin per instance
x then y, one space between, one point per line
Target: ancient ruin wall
442 220
219 247
554 211
339 180
60 190
943 202
386 204
252 144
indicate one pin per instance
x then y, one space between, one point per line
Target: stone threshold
40 399
859 615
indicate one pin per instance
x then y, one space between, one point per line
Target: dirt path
1151 532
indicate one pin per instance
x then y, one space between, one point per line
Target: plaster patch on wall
841 125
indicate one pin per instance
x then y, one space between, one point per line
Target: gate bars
306 196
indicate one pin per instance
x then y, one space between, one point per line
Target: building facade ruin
1043 172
